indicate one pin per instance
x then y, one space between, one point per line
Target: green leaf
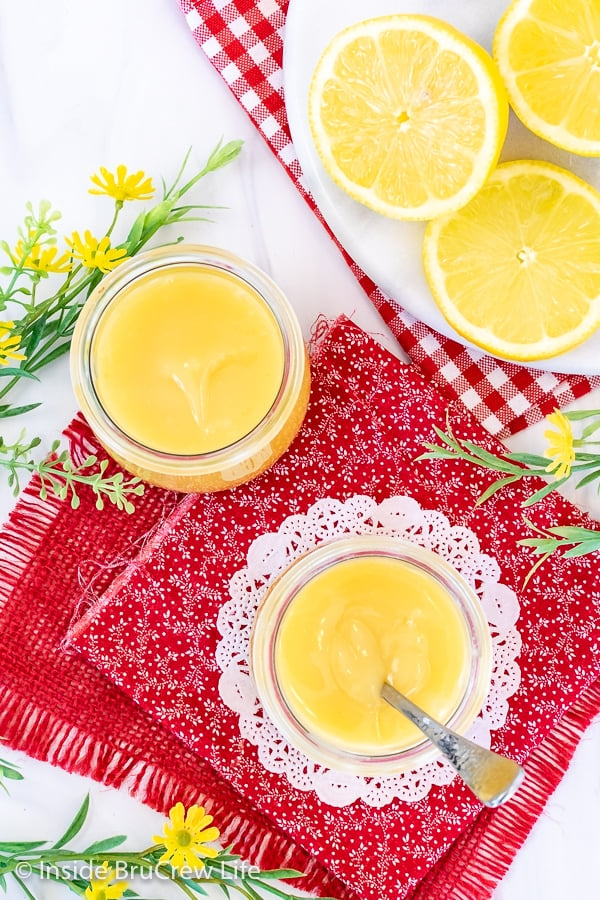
11 372
540 545
495 462
7 411
135 233
157 215
51 355
168 191
10 772
583 548
20 846
582 414
30 341
437 453
23 886
3 883
75 826
223 155
591 476
251 892
446 438
495 486
193 885
69 319
529 459
106 844
280 874
589 430
543 492
574 532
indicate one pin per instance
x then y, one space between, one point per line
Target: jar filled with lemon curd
348 616
190 368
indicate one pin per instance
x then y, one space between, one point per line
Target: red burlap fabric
57 708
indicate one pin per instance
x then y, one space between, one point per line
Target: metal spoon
492 778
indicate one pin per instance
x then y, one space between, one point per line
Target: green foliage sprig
567 458
100 870
45 289
9 771
60 476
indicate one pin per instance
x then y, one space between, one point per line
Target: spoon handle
492 778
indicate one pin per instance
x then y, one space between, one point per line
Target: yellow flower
100 887
95 254
560 449
42 259
185 837
9 344
123 186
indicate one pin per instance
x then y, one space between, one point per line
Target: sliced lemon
548 53
517 270
407 115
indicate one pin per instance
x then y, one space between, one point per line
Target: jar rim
234 454
281 594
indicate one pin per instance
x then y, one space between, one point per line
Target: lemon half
407 115
517 270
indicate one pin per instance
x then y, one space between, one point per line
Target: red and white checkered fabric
243 39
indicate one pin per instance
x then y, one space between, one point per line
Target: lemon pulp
548 54
357 624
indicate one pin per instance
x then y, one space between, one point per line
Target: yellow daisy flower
185 837
9 344
42 259
100 887
95 254
123 186
560 449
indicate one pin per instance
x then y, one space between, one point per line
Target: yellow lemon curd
352 627
187 359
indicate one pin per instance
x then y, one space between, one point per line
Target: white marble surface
84 85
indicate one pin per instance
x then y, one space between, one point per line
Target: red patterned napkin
244 42
154 632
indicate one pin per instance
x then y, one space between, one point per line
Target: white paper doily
270 554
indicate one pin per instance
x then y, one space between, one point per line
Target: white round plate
390 251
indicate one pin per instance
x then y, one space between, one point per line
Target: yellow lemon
548 53
517 270
407 115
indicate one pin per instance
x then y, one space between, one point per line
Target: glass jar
104 379
283 700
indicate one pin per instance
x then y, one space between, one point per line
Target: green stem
118 208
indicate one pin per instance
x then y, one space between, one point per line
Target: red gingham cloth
243 40
154 633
